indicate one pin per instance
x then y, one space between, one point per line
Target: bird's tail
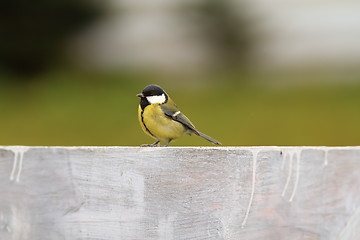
210 139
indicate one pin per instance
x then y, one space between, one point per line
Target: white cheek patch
156 99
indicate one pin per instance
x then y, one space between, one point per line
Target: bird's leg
155 144
167 144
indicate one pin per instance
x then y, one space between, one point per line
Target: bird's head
152 94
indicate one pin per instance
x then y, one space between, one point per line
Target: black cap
152 90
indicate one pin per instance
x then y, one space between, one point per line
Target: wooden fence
250 193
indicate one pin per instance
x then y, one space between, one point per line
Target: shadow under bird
161 119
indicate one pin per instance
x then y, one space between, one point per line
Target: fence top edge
12 147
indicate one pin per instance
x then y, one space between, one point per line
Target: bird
161 119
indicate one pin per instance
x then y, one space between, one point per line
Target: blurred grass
72 108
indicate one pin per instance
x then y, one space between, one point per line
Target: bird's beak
140 95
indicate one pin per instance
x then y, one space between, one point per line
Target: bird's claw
149 145
155 144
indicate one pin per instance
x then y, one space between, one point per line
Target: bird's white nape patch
156 99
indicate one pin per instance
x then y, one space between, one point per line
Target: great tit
161 119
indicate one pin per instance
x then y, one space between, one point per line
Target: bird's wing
173 113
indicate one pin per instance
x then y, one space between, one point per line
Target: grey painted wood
270 193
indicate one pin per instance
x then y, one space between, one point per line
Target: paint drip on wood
17 166
254 161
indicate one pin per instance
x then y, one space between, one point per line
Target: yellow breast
156 124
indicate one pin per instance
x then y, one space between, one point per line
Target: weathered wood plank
180 193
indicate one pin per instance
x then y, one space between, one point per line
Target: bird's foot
155 144
149 145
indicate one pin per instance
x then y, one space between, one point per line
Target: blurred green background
243 72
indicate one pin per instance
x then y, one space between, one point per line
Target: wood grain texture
251 193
